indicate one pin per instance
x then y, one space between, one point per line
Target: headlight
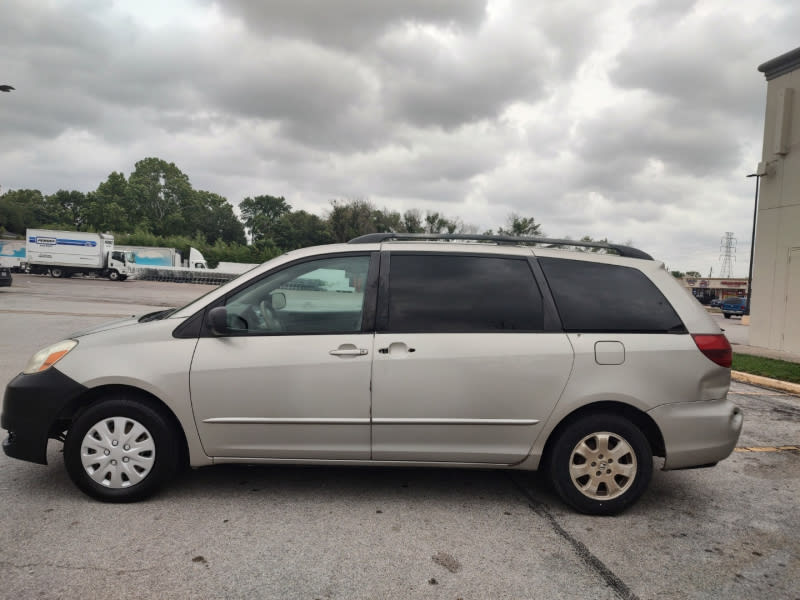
47 357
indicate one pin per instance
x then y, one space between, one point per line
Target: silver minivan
470 351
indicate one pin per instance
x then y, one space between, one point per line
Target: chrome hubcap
602 466
118 452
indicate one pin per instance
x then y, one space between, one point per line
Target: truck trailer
160 257
152 256
12 254
66 253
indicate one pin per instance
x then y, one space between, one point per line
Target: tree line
157 206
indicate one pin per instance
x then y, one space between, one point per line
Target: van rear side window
462 294
599 297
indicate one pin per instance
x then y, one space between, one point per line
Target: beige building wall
775 306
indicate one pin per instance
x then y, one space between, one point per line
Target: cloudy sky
635 120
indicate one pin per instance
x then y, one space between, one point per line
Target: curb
775 384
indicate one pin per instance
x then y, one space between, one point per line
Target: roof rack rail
375 238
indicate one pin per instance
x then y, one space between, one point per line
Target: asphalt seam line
767 449
62 314
586 555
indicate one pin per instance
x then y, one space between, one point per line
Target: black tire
113 275
617 483
57 273
143 452
727 316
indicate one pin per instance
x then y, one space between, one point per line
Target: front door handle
348 350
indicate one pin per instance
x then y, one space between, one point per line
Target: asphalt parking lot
730 532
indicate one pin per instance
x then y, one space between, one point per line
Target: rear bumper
698 433
31 405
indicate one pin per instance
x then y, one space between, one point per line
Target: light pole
752 247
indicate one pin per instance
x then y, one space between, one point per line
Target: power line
727 254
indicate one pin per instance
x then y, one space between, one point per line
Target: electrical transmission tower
727 254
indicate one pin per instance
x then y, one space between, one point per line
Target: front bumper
698 434
31 405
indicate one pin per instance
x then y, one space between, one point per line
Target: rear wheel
56 273
121 450
600 464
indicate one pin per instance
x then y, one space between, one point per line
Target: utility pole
752 247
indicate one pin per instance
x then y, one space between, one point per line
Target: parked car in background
397 349
734 306
715 302
5 276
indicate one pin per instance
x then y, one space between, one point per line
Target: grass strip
767 367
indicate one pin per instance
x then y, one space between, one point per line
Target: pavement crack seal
72 567
795 449
586 555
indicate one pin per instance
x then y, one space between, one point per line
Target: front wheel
600 464
727 316
121 450
57 273
113 275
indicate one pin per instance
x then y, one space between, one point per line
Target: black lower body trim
31 406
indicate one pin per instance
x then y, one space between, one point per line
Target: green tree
412 221
158 195
67 209
589 239
350 219
299 229
518 226
21 209
212 216
106 206
437 223
261 213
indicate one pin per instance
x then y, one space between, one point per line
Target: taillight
715 347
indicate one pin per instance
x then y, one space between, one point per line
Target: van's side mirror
278 300
217 320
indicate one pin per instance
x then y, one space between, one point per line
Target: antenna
727 254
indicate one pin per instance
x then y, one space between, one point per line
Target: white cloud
628 120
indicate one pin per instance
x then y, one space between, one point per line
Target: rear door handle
396 348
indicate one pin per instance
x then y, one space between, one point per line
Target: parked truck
12 254
154 256
151 256
196 260
66 253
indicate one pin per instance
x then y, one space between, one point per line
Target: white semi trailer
12 254
159 257
66 253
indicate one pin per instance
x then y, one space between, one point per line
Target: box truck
66 253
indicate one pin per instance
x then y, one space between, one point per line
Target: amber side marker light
716 347
47 357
